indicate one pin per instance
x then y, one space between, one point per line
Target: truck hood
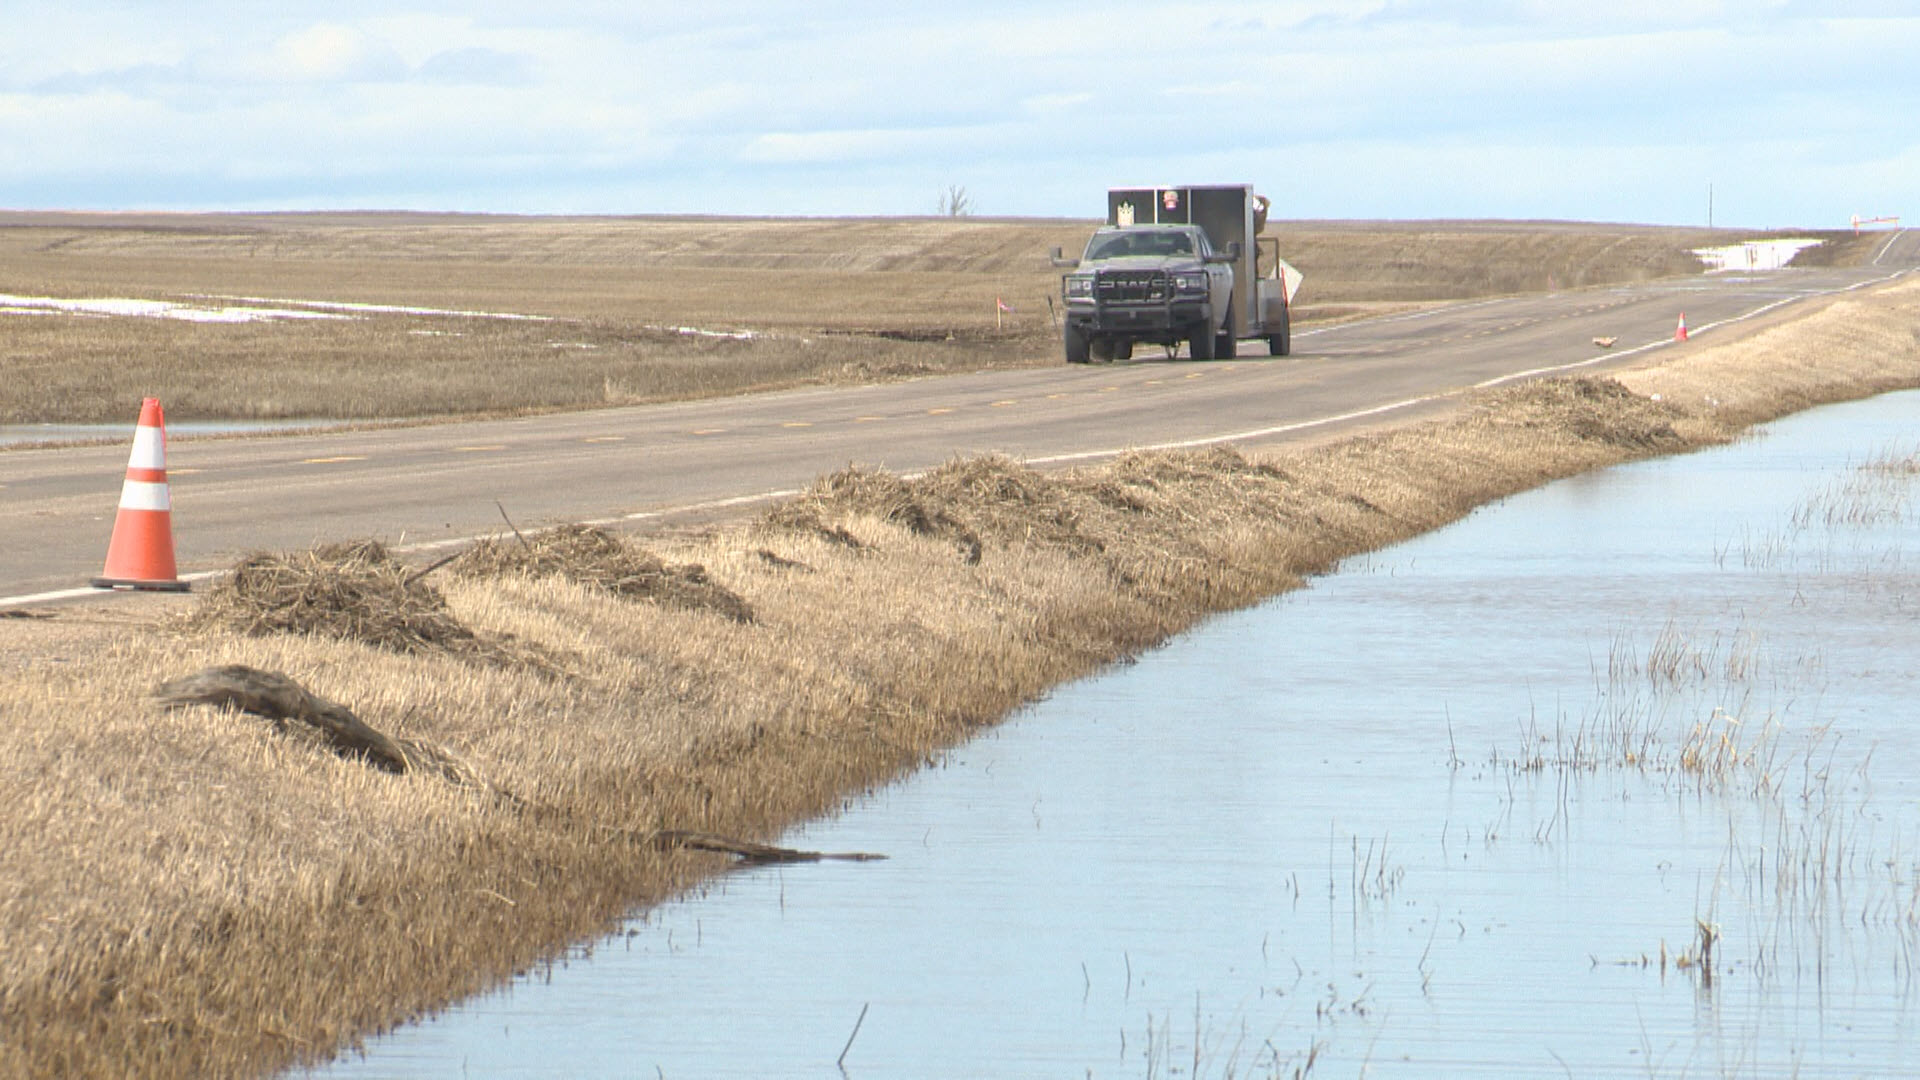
1145 262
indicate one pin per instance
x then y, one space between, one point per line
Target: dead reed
184 892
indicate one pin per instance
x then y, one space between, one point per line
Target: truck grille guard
1132 286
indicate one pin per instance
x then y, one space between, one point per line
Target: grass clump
596 558
354 592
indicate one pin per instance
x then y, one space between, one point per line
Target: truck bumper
1148 321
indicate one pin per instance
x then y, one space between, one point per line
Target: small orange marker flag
1680 334
140 555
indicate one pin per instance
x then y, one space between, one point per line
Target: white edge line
1664 342
75 594
1427 314
1882 253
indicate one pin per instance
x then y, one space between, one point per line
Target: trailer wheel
1077 347
1281 344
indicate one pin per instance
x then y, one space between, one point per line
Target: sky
1772 113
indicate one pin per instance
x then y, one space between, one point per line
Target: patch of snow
383 309
149 309
1753 255
694 331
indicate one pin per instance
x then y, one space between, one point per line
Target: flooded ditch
1619 777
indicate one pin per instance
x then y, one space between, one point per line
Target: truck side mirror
1230 251
1061 262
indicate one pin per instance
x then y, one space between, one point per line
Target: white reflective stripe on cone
141 495
149 449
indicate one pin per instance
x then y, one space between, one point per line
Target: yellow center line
1108 389
797 423
1004 404
1057 397
938 412
711 431
476 449
605 438
1155 382
868 419
1194 375
183 472
332 460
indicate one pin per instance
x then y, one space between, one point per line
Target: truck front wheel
1200 340
1077 347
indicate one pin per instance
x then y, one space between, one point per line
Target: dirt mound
353 592
600 560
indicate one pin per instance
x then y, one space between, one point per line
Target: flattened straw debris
353 592
600 560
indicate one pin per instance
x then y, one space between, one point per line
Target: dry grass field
196 892
781 302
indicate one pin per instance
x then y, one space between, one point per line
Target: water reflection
1472 806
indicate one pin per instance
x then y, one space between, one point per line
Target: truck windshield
1120 245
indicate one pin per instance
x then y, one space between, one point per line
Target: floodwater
1754 254
1462 808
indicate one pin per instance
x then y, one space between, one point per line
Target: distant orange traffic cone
1681 333
140 556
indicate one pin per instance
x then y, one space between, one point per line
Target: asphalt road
439 483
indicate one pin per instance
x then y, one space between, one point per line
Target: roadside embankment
192 891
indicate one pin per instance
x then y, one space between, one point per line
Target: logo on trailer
1170 200
1123 214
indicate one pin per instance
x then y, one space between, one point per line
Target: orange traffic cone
1680 334
140 556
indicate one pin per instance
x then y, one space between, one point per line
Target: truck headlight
1078 286
1190 282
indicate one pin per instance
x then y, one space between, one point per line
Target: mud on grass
183 892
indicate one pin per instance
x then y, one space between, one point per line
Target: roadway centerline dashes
605 438
710 431
938 412
797 423
332 460
868 419
1003 404
477 449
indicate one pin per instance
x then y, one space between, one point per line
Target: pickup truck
1178 265
1154 283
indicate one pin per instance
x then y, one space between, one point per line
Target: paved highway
438 484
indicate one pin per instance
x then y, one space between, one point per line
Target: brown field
192 893
830 300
